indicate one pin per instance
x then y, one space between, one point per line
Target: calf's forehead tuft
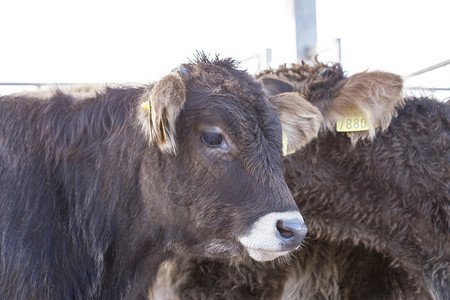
221 76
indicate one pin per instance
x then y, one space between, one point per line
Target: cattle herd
296 183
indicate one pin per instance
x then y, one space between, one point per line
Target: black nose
292 232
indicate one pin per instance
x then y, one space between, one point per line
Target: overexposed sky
399 35
133 40
140 41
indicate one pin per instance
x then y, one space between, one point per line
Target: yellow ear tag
354 120
164 131
146 106
285 145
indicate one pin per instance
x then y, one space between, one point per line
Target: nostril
274 234
285 228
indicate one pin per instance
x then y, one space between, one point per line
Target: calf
377 201
97 192
386 187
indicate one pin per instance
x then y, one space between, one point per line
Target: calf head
212 180
374 95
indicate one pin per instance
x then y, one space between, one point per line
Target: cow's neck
133 267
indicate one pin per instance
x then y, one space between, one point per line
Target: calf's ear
377 95
273 86
300 120
164 102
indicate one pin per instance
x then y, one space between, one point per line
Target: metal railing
428 69
40 84
442 90
262 62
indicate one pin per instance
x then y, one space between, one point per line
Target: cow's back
390 194
23 176
35 263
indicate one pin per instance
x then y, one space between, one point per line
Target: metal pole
305 25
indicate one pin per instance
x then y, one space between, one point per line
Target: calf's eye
212 139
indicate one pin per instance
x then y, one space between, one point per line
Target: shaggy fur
377 206
401 176
377 94
89 209
321 270
391 194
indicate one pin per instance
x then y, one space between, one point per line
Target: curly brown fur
378 95
204 279
322 270
317 83
390 194
329 270
405 163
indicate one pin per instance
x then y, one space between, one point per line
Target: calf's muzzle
274 234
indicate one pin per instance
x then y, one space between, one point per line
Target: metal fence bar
428 88
39 84
431 68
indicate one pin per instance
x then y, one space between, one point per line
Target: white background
139 41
